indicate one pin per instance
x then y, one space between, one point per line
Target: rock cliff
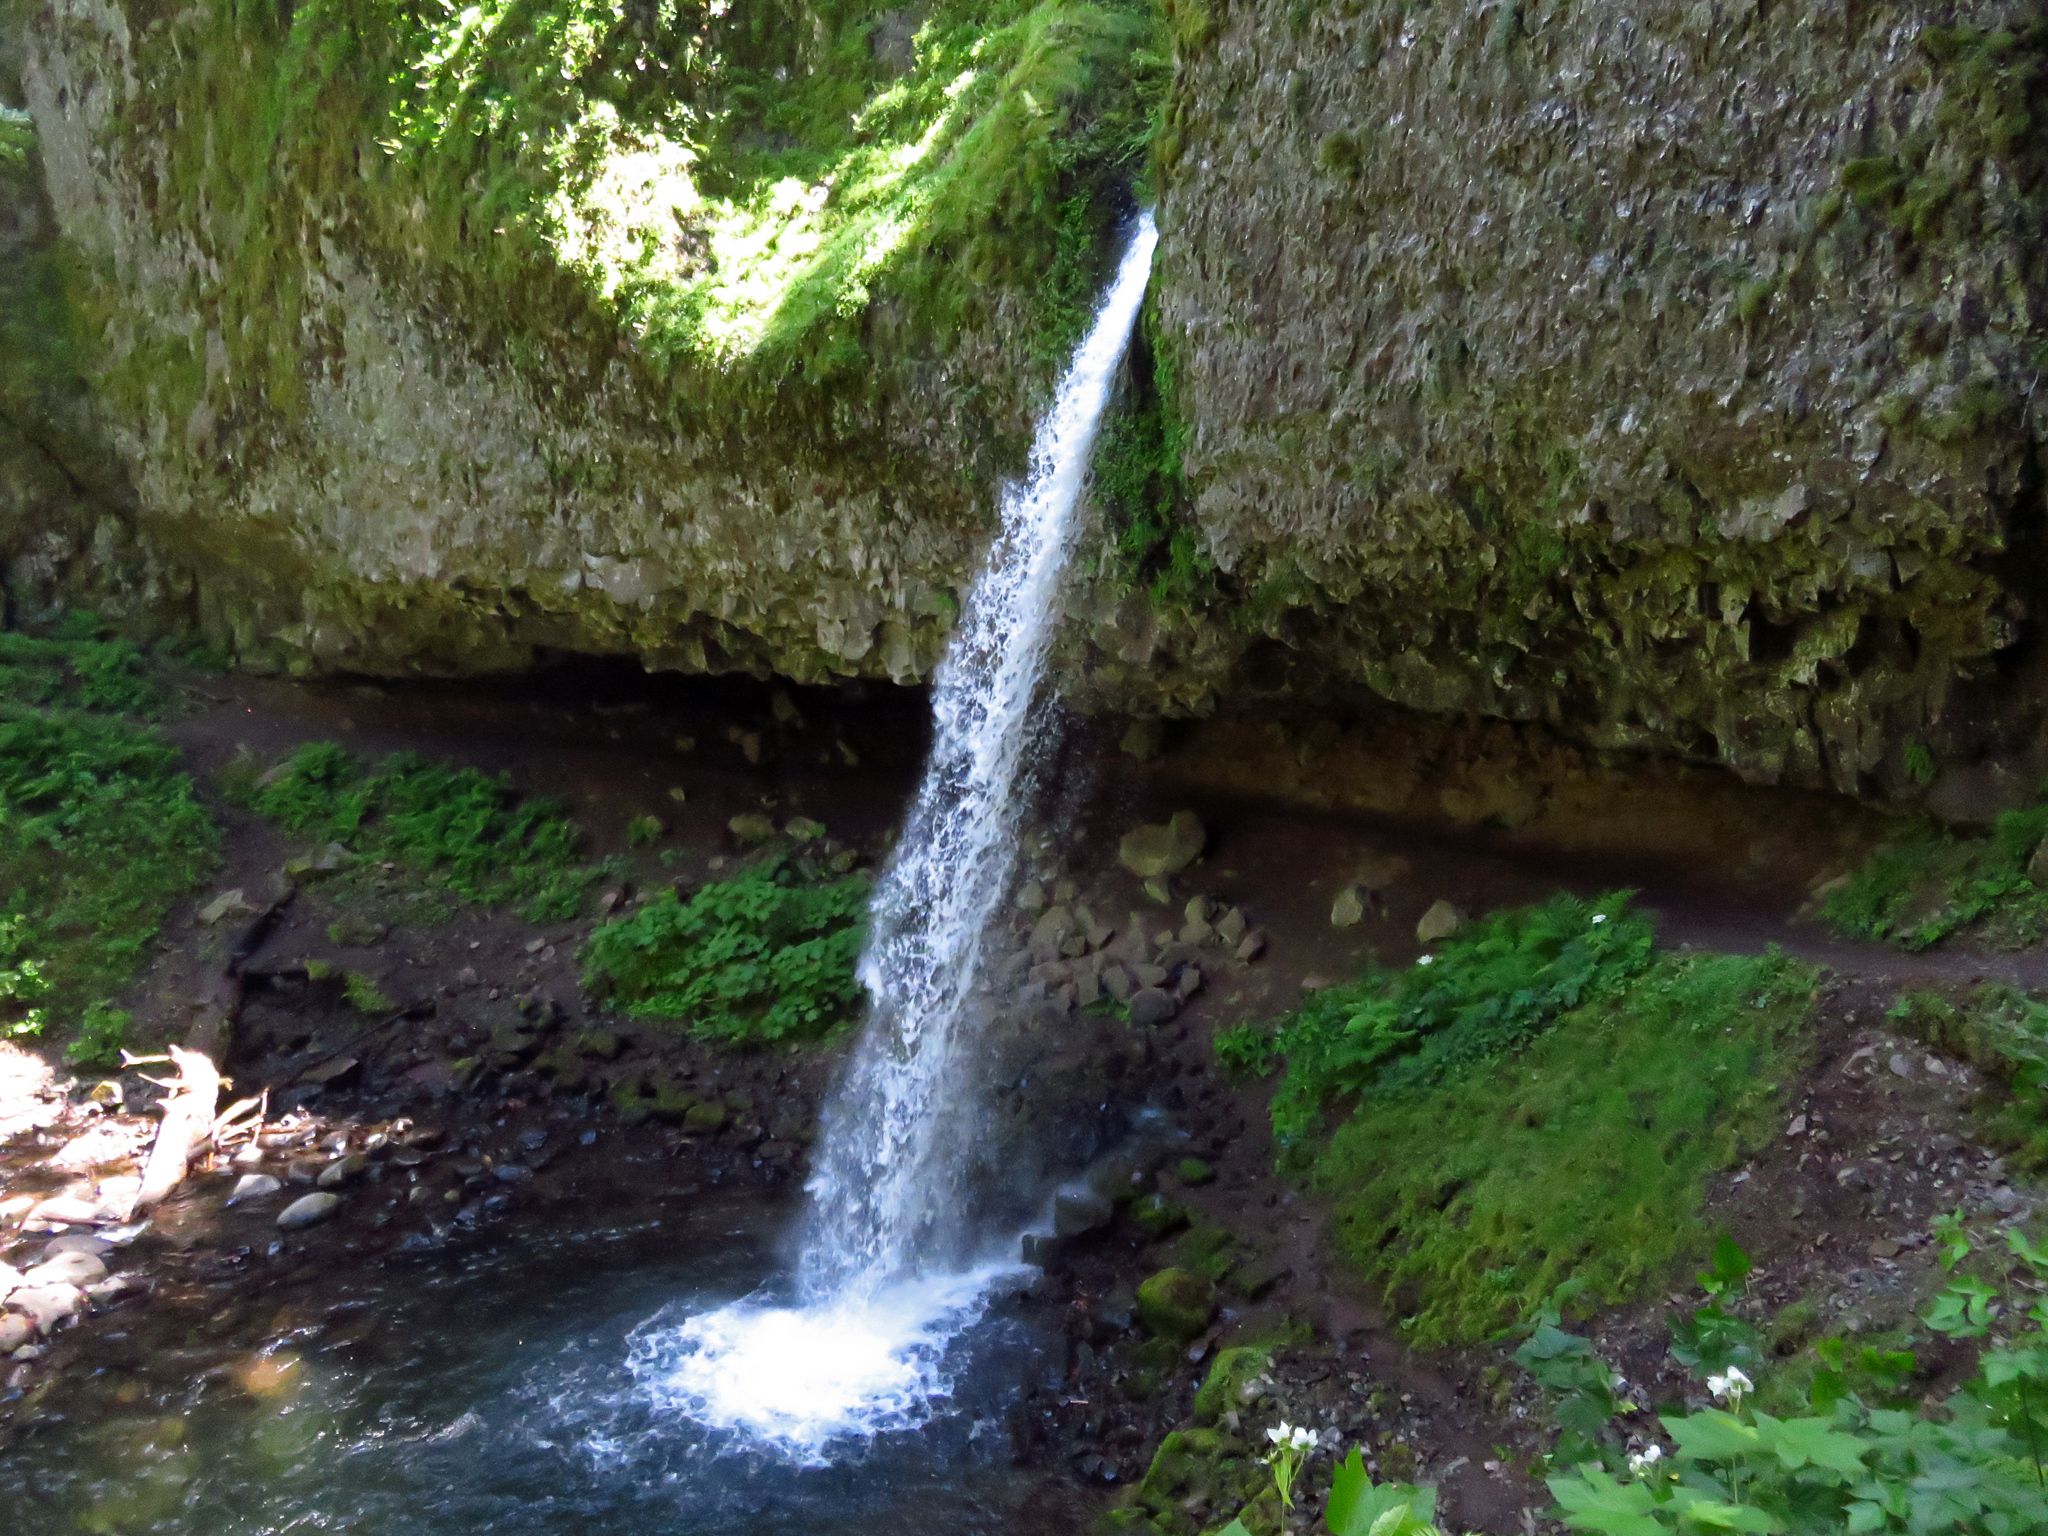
1664 373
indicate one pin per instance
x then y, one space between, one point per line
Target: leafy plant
99 833
77 669
102 1032
643 831
2004 1034
768 955
1246 1050
364 994
1928 886
1975 1465
465 830
1482 995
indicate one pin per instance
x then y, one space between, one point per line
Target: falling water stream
890 1271
484 1391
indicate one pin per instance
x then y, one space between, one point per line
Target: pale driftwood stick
188 1124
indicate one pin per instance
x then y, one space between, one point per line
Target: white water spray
883 1282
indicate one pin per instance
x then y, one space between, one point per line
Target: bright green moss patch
1928 886
767 956
99 834
465 831
1583 1157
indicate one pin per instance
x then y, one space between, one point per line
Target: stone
66 1269
750 828
1031 897
803 829
598 1044
341 1171
1141 739
705 1119
1190 982
222 905
330 860
2037 864
1194 1173
1150 975
48 1305
1230 927
1195 933
1250 947
77 1242
331 1073
1078 1212
1252 1281
1151 852
16 1329
1440 922
1049 933
309 1210
1348 910
70 1210
1087 988
1037 1249
1158 1217
1160 889
1177 1304
1116 981
254 1186
1153 1005
10 1278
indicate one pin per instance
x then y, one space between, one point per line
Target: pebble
308 1210
341 1170
254 1186
16 1329
78 1242
70 1211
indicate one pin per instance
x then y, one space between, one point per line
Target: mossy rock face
1177 1303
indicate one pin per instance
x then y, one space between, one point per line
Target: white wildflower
1599 917
1427 960
1643 1461
1730 1384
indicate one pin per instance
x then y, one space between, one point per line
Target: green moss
2004 1034
1582 1157
460 830
1139 483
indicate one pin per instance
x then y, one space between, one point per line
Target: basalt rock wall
1660 375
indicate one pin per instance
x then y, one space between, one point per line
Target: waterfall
884 1282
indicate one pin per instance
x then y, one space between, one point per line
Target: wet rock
1031 897
1440 922
1177 1304
1153 1005
309 1210
16 1330
254 1186
341 1171
10 1279
65 1269
1348 910
77 1242
1078 1212
1037 1249
1152 852
48 1305
332 1073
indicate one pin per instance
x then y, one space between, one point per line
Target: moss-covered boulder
1229 1384
1177 1303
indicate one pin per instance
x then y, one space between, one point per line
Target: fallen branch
188 1125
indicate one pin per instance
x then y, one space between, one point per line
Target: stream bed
487 1388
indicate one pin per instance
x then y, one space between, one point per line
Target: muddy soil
461 1139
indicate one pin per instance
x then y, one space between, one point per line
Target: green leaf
1235 1528
1729 1517
1713 1436
1809 1442
1593 1501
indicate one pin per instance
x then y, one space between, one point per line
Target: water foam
888 1276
